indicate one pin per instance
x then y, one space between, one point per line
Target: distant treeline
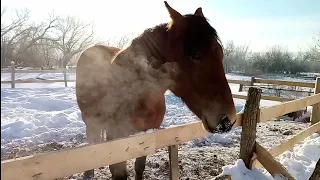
274 60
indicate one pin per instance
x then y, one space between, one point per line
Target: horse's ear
174 15
199 12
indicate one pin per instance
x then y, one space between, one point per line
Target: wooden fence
264 157
257 82
62 163
13 72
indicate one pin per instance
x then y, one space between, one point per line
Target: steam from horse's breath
129 82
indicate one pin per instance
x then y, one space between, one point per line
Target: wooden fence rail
267 113
38 71
287 83
14 71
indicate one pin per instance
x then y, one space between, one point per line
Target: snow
304 116
39 115
224 139
299 162
145 132
239 171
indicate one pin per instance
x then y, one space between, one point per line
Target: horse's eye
196 56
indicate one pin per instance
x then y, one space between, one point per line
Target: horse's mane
153 40
201 27
149 31
202 23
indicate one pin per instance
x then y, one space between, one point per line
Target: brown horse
121 92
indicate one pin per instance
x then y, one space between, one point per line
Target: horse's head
201 83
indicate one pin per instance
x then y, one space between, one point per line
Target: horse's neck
153 44
144 60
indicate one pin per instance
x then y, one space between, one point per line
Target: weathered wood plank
13 75
268 113
231 81
271 165
270 98
287 83
37 81
174 162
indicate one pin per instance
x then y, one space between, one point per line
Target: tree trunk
249 125
65 63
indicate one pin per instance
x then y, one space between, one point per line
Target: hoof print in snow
288 132
273 129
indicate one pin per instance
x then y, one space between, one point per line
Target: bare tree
20 20
228 56
314 52
19 36
32 35
120 42
10 32
235 57
47 52
71 37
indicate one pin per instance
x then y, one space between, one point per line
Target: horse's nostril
225 119
225 124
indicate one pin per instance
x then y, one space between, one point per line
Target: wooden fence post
240 87
252 81
251 84
13 74
315 116
249 125
174 163
65 78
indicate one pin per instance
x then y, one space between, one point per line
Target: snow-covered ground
33 114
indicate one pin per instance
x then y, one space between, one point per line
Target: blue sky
267 9
259 23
